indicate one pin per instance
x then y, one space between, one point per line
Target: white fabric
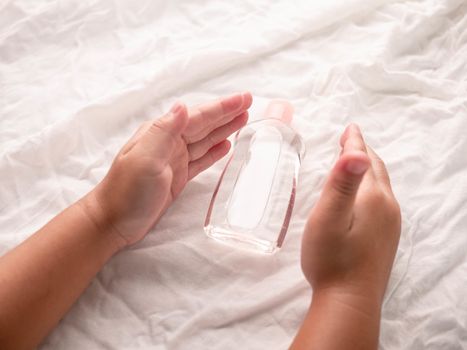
78 77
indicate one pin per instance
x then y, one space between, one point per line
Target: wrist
97 216
340 318
363 301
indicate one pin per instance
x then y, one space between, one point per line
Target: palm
179 164
204 139
155 165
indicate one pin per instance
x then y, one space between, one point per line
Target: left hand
154 166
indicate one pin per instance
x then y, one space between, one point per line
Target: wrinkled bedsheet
77 78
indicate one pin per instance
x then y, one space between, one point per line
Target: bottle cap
279 109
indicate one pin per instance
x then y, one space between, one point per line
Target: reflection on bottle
256 176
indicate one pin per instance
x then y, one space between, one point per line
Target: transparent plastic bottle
253 200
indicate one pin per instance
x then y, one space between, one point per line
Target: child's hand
152 169
353 231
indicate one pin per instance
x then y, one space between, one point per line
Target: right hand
352 233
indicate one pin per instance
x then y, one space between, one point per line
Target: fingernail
176 108
236 99
281 110
355 126
357 167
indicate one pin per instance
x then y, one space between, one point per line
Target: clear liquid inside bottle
252 204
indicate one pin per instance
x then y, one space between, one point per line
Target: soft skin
42 277
348 248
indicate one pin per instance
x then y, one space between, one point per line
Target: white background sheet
77 78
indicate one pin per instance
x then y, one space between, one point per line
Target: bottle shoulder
274 127
269 122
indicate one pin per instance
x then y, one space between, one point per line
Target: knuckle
345 188
192 152
394 210
377 160
380 161
376 199
381 202
157 123
381 165
155 127
187 139
211 140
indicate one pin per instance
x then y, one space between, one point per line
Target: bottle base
240 240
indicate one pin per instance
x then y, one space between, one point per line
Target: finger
212 156
379 169
209 116
198 149
159 139
174 122
352 139
335 206
344 136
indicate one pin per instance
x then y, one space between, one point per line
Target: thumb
160 137
173 122
335 206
